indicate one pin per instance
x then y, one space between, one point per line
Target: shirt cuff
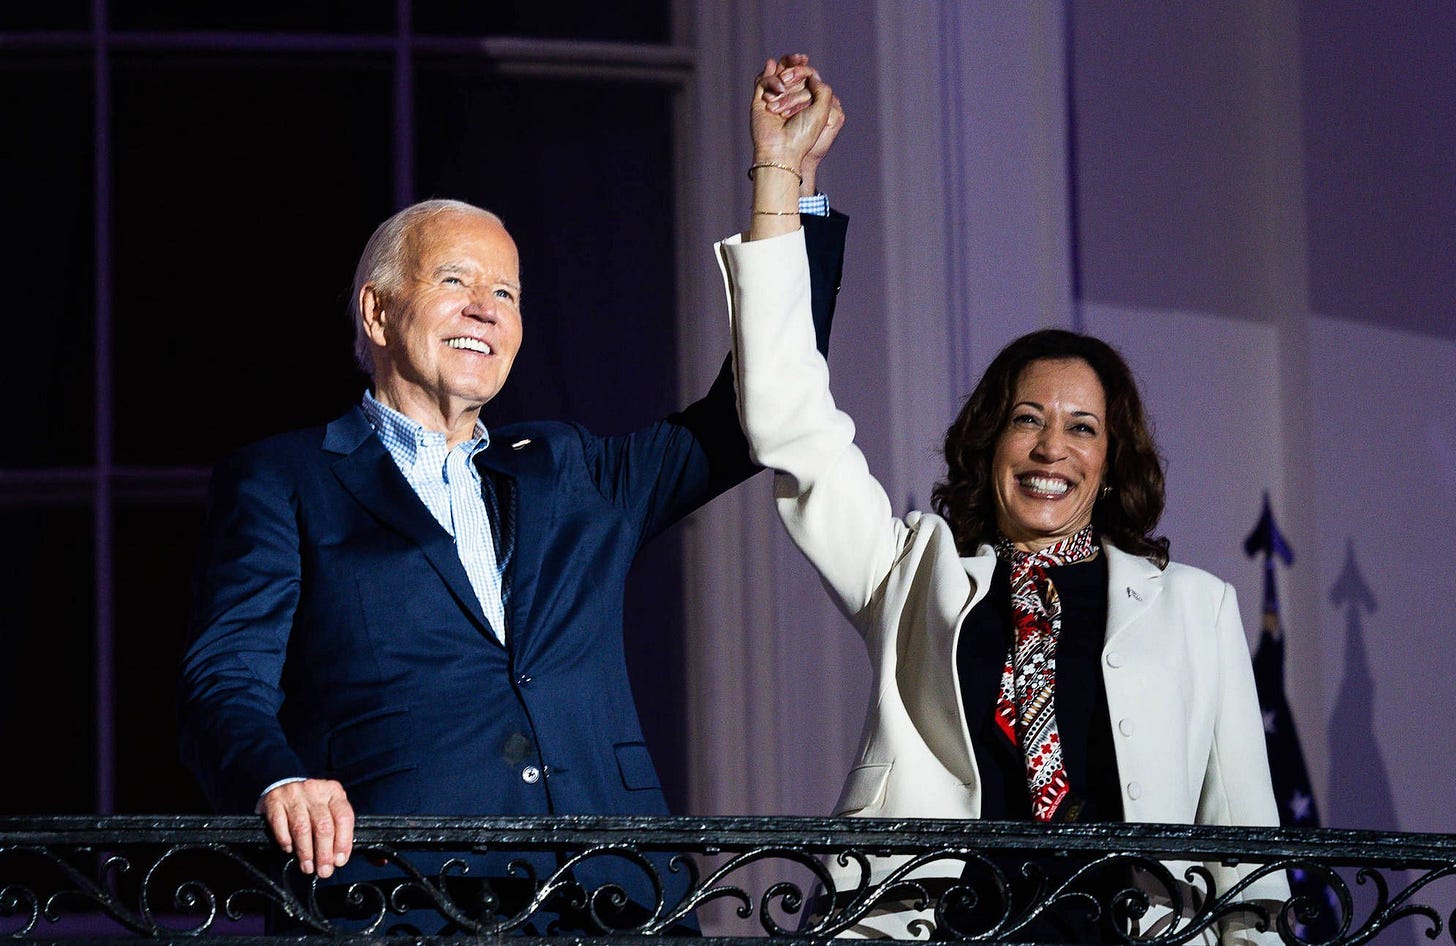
817 206
258 808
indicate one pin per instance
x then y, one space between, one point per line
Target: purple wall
1379 84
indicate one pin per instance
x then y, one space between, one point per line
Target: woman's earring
1106 488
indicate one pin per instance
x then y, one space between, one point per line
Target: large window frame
106 485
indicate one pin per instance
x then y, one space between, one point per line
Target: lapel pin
1133 594
520 443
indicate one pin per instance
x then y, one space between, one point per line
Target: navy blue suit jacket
337 636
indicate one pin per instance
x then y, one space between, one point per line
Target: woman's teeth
1045 484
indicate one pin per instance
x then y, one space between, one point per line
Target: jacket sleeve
836 512
1236 784
245 591
666 471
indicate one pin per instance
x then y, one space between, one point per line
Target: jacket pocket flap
379 738
864 788
635 765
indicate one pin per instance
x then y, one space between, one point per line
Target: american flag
1292 789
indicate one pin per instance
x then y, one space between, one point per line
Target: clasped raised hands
794 117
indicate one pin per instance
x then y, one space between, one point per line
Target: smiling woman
1051 457
1052 401
1038 657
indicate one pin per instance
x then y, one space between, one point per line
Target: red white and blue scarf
1026 705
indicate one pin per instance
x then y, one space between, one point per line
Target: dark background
186 188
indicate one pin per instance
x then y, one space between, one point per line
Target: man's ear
371 304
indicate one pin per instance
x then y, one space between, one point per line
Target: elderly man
405 613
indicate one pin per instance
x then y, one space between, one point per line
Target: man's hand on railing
312 820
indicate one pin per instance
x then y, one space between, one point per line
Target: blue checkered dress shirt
450 486
818 205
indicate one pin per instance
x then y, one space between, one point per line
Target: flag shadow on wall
1359 797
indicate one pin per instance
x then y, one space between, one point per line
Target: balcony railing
631 879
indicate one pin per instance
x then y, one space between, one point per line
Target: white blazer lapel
1133 583
981 567
926 671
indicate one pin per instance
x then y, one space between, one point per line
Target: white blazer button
1134 790
530 775
1125 727
1114 659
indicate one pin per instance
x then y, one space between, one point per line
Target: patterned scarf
1026 707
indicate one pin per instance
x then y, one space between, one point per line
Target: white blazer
1180 689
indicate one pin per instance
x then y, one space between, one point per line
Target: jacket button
1125 727
1134 790
1114 659
530 775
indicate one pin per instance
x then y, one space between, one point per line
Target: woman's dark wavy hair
1126 516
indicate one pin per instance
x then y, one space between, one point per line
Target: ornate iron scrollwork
807 879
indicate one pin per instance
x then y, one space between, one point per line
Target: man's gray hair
386 258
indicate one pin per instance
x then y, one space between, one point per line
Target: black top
1081 696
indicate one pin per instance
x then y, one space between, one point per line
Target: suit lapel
931 681
1133 584
981 567
368 473
527 488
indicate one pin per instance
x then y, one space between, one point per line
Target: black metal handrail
629 879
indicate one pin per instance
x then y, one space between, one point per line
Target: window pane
589 202
244 192
48 264
345 16
155 547
50 15
47 677
637 21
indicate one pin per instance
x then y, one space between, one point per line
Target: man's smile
469 344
